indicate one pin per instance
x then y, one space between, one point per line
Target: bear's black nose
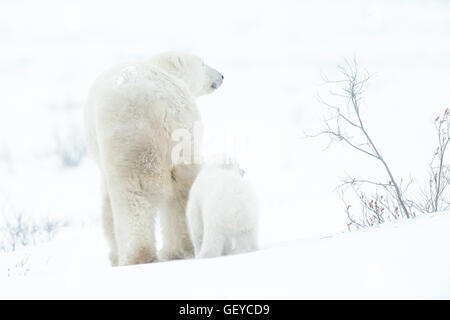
222 77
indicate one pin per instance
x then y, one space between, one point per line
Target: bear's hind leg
108 226
195 224
176 240
134 217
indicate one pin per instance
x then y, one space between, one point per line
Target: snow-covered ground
407 260
272 54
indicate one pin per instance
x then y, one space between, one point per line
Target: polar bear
130 115
222 212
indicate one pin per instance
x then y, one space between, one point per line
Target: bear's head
199 77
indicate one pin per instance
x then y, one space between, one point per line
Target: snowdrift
410 260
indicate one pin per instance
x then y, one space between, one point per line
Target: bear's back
137 95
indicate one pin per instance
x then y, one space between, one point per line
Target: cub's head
198 76
225 162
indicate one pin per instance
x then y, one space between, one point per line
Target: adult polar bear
130 115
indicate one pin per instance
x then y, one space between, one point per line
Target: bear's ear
177 61
180 61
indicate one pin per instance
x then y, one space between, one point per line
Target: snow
272 55
406 260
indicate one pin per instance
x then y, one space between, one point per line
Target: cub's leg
213 244
245 242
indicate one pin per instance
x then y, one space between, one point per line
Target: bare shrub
18 231
21 267
384 199
70 146
436 193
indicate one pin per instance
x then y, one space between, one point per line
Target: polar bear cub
222 213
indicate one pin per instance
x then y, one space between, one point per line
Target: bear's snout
217 83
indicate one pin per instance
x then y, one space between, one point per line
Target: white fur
130 115
222 213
